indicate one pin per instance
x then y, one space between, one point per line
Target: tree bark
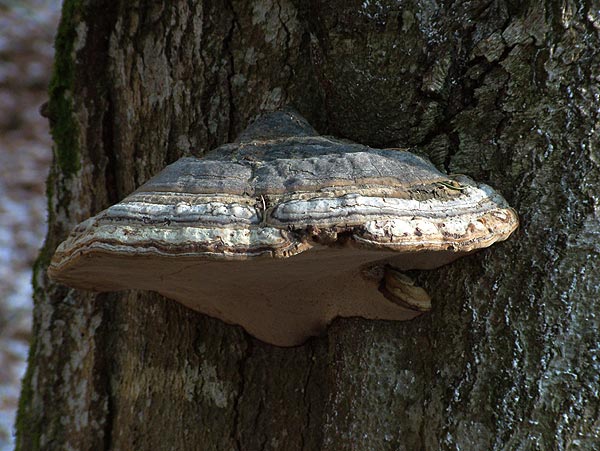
504 91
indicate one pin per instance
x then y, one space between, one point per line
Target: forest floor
27 29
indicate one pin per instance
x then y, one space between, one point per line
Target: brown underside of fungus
284 230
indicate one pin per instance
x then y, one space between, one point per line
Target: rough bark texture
503 91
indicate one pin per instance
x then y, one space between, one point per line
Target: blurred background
27 29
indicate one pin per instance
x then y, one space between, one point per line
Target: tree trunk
504 91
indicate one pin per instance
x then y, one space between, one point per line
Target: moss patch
63 128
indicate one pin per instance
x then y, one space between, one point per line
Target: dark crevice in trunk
105 365
204 95
228 50
306 396
238 422
102 17
286 50
112 192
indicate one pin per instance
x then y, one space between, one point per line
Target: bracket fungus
284 230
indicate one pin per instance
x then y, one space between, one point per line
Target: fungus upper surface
283 230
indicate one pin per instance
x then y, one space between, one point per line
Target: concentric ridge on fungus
284 230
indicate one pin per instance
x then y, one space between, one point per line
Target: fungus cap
284 230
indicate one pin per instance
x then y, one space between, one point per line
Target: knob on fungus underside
284 229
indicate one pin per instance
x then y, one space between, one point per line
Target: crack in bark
286 48
468 99
228 49
446 124
111 174
109 417
237 421
99 139
256 424
203 109
306 398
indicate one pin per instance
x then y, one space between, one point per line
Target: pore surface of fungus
284 229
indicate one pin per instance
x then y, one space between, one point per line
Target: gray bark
503 91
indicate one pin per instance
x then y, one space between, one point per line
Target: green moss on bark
63 128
